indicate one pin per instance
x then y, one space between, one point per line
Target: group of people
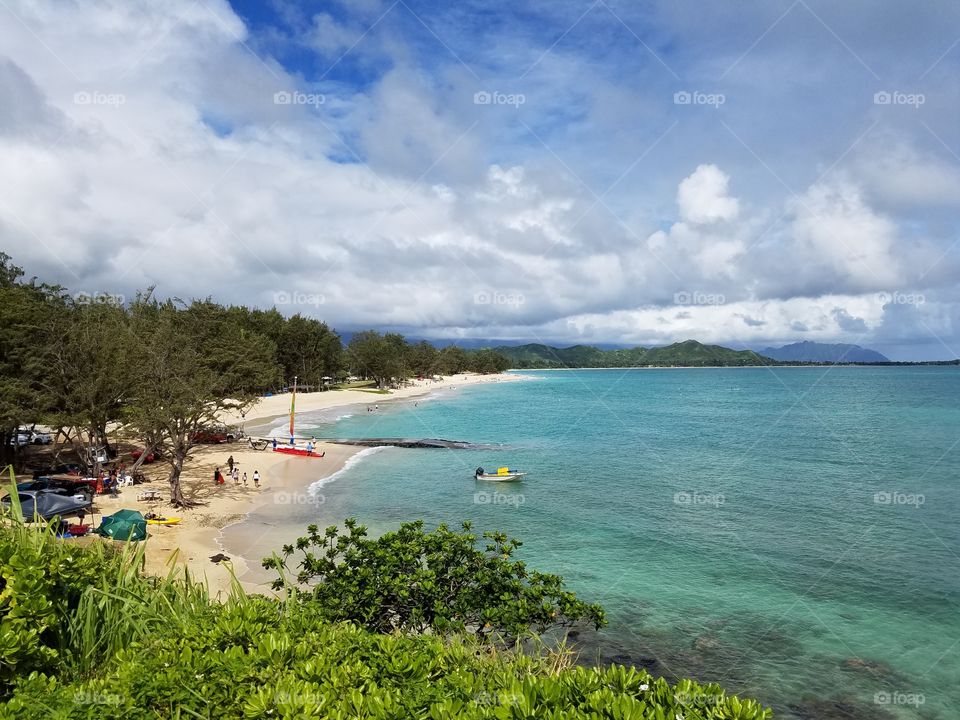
233 471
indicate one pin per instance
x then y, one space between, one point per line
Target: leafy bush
414 581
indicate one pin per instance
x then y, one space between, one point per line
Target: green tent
124 525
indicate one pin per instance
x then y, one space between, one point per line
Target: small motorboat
503 474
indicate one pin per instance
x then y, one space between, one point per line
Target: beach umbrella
124 525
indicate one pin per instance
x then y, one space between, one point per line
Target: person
274 443
256 478
236 475
244 479
310 446
230 464
217 477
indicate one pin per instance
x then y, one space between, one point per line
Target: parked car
151 456
41 438
60 486
25 436
21 438
215 435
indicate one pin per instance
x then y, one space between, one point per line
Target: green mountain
688 353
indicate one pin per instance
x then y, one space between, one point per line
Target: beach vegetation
85 635
442 581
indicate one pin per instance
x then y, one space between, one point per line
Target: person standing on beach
256 478
236 475
230 464
274 443
244 479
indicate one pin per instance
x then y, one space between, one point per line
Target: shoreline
190 545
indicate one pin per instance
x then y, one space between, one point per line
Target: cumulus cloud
145 144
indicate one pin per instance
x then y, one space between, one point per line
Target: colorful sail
293 404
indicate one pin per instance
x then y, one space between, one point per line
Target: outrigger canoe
163 521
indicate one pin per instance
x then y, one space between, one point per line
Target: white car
41 438
21 438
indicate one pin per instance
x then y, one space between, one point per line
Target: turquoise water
727 519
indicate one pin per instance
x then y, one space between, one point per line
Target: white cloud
703 198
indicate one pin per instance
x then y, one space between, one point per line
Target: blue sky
748 173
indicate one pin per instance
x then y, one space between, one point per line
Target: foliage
413 581
85 635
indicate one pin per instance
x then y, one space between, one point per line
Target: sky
747 173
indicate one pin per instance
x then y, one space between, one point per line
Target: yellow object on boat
503 471
163 521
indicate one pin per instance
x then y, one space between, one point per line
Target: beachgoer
236 476
217 477
230 464
244 479
274 443
310 446
256 478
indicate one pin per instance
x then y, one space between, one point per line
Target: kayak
163 521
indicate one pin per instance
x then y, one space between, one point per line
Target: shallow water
789 533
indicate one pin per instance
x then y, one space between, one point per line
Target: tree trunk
176 491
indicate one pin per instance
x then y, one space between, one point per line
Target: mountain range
688 353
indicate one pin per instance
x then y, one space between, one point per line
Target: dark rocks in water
838 709
873 669
413 443
705 643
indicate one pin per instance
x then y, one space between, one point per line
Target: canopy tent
124 525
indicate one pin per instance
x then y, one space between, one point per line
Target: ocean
790 533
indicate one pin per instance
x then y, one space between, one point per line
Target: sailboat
292 449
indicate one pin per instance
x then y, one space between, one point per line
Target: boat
503 474
162 520
292 449
297 451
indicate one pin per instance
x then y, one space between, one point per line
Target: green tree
308 349
415 581
422 358
452 360
379 357
488 361
189 374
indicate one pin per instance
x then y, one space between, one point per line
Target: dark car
215 435
61 486
48 504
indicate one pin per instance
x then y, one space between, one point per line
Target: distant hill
824 352
688 353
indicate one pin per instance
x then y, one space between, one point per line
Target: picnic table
148 495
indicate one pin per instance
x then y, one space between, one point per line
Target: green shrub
440 581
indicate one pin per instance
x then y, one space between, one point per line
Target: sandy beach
192 543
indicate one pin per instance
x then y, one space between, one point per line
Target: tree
379 357
309 349
421 358
189 374
416 581
451 360
488 361
87 370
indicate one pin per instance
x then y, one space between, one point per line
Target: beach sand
190 544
